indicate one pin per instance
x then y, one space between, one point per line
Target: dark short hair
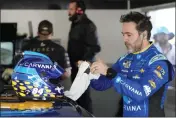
79 3
45 25
142 22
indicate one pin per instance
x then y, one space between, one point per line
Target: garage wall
109 31
104 103
107 22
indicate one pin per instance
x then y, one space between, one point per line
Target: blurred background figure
162 38
161 41
43 43
83 44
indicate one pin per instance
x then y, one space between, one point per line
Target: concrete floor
105 104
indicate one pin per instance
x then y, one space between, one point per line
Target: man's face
131 37
72 9
162 38
44 35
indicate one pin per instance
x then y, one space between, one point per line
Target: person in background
83 43
162 37
161 42
43 43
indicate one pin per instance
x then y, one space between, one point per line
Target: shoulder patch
157 58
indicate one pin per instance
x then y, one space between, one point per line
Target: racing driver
142 75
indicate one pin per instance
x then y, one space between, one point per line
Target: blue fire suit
142 79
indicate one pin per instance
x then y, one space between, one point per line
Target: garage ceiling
91 4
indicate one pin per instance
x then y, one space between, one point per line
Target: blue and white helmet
33 74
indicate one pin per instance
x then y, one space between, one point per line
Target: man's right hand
7 73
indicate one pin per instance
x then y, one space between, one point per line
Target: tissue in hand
81 82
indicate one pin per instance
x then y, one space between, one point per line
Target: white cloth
81 82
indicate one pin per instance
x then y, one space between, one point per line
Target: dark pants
85 100
120 110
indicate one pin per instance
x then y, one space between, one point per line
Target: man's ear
144 34
79 11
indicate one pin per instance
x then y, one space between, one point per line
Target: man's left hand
99 67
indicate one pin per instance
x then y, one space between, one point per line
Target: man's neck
165 45
79 18
40 39
166 48
145 45
43 39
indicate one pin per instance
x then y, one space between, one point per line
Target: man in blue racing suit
142 75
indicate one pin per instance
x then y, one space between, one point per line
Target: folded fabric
81 82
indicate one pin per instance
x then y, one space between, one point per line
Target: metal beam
128 4
157 7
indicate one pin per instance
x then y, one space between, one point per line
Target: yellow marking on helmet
45 94
13 83
45 87
17 81
27 105
52 95
22 94
48 91
27 82
36 95
21 84
36 86
22 87
15 88
30 87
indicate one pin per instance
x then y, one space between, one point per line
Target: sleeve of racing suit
153 79
104 83
91 42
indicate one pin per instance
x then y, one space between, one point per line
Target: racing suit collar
143 50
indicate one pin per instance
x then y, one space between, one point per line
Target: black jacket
55 51
83 41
